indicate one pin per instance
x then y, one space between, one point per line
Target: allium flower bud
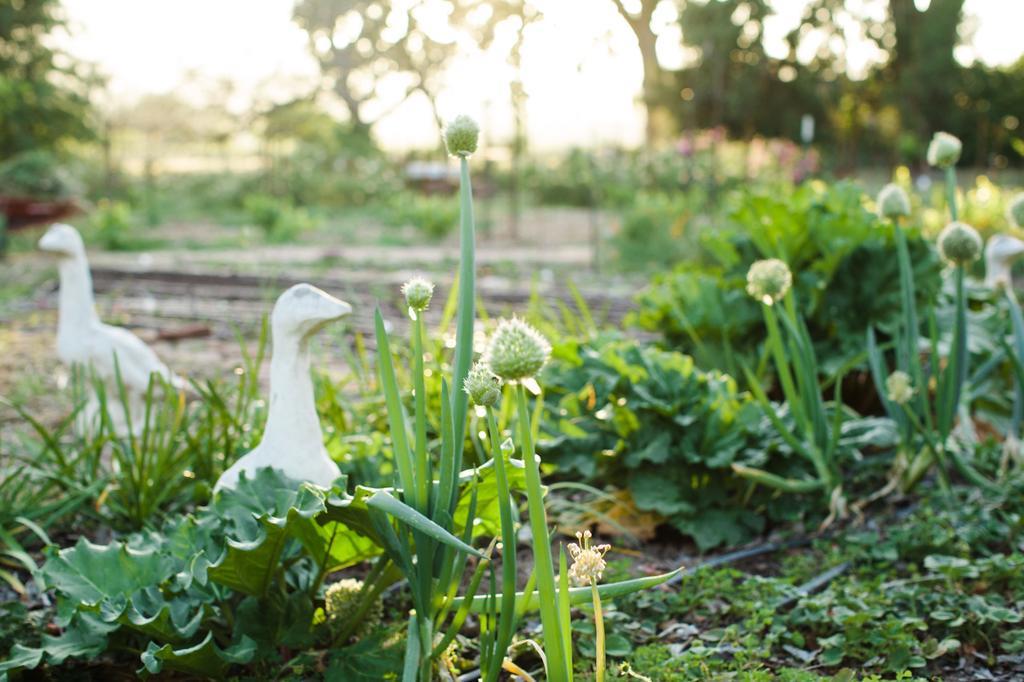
587 560
516 350
769 280
944 150
461 136
482 385
341 601
899 388
960 244
893 202
418 293
1015 211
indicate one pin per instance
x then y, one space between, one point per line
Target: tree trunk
646 40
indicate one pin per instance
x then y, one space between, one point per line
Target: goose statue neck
292 441
76 307
292 421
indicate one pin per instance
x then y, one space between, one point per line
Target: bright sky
581 66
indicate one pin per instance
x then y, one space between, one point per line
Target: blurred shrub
654 230
329 163
434 216
36 174
110 226
278 219
843 266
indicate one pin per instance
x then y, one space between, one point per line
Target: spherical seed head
461 136
893 202
341 601
482 385
960 244
516 350
899 388
769 280
1015 211
418 293
944 150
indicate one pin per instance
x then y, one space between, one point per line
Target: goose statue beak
329 308
61 239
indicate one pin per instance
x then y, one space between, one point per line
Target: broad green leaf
122 585
263 514
85 639
205 659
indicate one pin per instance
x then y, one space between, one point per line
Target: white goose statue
1000 252
83 340
292 441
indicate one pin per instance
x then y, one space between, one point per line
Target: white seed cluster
587 560
516 350
418 292
483 385
893 202
899 388
944 150
341 601
960 244
769 280
461 136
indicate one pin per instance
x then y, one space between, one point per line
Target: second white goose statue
292 441
83 340
1000 252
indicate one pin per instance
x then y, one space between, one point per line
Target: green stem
598 632
507 612
782 366
936 448
951 192
423 475
543 564
466 309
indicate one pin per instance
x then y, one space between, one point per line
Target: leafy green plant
418 523
816 434
927 420
199 580
669 432
827 236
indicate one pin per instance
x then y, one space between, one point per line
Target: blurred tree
731 73
922 70
639 15
360 44
44 93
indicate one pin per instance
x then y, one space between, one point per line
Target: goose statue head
292 441
63 241
303 310
1000 252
